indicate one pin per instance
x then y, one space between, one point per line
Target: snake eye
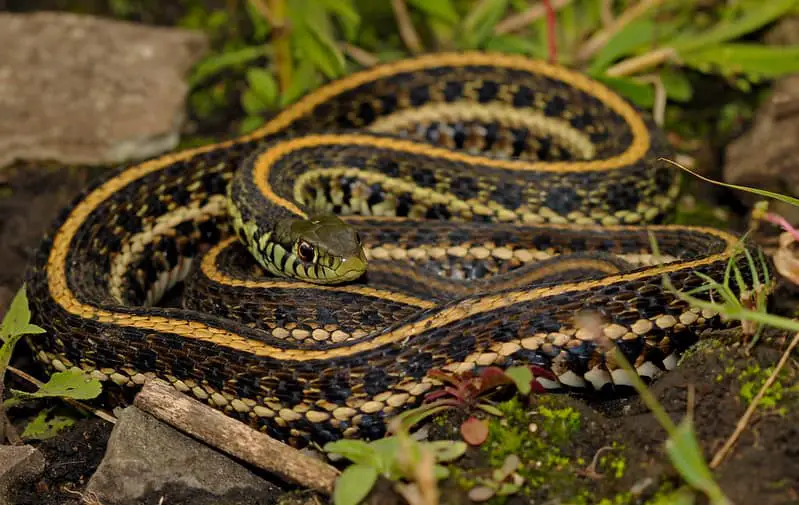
305 251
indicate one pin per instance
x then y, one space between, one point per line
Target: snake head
321 249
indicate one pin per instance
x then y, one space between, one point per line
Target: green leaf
215 64
304 78
354 484
677 85
250 124
440 9
440 472
754 60
310 45
42 428
70 384
507 489
5 353
752 20
385 450
480 22
312 38
356 451
12 402
263 84
522 376
686 456
627 40
252 103
515 44
486 407
412 417
260 26
17 319
682 496
446 450
641 94
347 14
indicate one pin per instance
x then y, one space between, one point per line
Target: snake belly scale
494 198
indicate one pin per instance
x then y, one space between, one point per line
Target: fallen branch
743 422
361 56
233 437
643 62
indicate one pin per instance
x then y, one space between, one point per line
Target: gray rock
18 464
767 156
146 460
82 89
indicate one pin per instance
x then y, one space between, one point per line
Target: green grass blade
752 20
686 456
761 192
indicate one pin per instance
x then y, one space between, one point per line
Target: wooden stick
523 19
233 437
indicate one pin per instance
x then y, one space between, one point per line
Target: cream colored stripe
134 248
534 121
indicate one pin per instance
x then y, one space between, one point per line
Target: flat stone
18 464
82 89
146 460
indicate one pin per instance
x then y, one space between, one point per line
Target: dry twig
522 19
640 63
361 56
233 437
659 106
406 29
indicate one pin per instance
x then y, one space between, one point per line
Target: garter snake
486 196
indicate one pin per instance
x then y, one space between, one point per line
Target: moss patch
556 451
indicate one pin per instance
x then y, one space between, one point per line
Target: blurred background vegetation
700 66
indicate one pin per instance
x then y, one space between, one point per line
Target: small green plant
504 481
399 458
469 391
67 384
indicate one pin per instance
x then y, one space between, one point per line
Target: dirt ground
763 466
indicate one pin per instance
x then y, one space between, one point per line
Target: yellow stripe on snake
489 199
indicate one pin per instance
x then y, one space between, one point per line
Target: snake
448 211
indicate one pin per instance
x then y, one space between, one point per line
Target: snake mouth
351 268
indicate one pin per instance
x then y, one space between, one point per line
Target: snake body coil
494 197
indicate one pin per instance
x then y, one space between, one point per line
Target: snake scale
490 199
